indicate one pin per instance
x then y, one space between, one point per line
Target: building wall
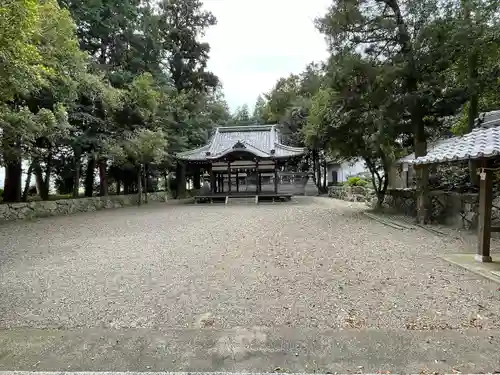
346 170
400 179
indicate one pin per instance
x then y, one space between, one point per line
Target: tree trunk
103 177
13 169
12 185
382 190
472 72
77 165
118 187
325 177
139 185
41 186
146 183
422 172
316 169
27 183
48 172
89 177
318 173
422 176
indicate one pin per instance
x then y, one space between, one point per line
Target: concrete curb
384 221
162 373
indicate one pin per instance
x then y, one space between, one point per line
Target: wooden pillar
237 182
257 177
275 177
229 176
181 179
197 177
213 182
485 207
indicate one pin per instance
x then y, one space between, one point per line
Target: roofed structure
263 141
483 145
483 142
240 161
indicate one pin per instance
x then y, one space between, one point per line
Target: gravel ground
313 263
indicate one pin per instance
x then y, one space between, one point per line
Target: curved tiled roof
260 140
482 142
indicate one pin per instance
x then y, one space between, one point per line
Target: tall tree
351 118
181 24
242 116
48 55
260 115
412 37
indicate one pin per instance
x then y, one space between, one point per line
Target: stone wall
352 193
31 210
459 210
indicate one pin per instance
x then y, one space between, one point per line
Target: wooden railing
288 183
292 182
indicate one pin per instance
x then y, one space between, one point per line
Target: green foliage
127 92
21 60
242 116
143 146
356 181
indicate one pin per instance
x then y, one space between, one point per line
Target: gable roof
261 140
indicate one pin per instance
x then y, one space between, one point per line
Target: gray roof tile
261 140
482 142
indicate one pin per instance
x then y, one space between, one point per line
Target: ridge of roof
193 151
288 148
243 128
248 146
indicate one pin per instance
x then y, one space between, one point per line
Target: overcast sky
255 42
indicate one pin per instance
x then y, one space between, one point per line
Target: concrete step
255 349
241 200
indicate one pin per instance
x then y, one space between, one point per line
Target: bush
356 181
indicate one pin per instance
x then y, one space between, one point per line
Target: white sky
255 42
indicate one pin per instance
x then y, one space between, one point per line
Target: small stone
148 367
296 354
360 367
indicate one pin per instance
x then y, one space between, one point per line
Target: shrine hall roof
264 141
482 142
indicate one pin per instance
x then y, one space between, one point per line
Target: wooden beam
213 182
257 177
239 164
485 207
180 177
276 178
229 176
495 229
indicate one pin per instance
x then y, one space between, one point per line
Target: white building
341 171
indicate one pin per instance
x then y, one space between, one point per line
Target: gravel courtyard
313 263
